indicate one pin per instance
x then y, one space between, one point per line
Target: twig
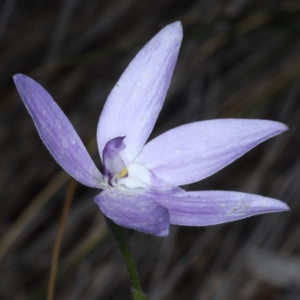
59 237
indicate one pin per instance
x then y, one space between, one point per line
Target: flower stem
59 238
120 236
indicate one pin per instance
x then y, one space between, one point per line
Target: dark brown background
238 59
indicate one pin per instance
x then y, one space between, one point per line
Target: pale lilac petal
195 151
205 208
57 132
134 209
134 103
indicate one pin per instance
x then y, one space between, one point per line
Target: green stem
119 234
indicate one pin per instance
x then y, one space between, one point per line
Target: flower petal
195 151
205 208
134 209
57 132
134 103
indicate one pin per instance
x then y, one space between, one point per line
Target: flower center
124 173
134 175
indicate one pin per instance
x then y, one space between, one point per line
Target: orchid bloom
141 181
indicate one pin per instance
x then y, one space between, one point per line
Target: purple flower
141 181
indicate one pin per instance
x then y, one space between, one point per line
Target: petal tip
22 80
162 233
279 127
284 127
176 26
175 29
270 205
283 207
17 78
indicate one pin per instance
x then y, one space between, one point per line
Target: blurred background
239 59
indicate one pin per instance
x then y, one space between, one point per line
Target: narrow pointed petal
57 132
192 152
134 209
134 103
206 208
